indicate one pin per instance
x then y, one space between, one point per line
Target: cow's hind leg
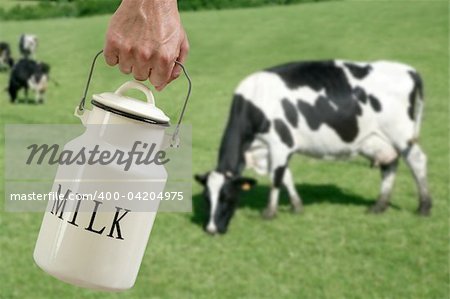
417 162
288 182
388 172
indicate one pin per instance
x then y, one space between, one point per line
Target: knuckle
112 42
165 59
143 54
126 47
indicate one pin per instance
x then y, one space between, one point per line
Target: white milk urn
95 234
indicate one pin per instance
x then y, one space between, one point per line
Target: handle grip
138 86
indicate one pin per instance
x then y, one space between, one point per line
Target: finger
125 63
162 68
161 87
110 52
125 68
141 65
184 50
140 72
111 59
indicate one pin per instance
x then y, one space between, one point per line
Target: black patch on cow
418 83
338 109
375 103
314 74
412 105
360 94
283 131
278 176
313 119
417 91
359 72
344 123
358 110
290 112
245 121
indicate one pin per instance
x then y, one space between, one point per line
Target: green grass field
332 250
7 4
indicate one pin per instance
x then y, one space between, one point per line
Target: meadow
334 249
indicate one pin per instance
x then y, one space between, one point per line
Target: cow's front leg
12 90
296 201
276 176
271 210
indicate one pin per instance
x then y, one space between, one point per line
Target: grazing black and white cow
326 109
6 61
27 45
29 74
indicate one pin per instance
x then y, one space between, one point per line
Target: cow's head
39 77
38 80
30 42
221 193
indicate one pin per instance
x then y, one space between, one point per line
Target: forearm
162 6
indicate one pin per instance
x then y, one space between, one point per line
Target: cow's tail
417 104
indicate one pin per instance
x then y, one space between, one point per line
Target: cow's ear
243 183
201 178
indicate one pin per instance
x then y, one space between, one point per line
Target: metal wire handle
177 128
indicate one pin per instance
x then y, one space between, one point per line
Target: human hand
145 37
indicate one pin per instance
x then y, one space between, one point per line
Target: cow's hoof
424 208
269 213
297 209
378 208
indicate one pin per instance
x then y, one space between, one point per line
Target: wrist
151 3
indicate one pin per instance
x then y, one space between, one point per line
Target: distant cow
27 45
6 61
29 74
326 109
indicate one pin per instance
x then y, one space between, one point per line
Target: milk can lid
116 102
